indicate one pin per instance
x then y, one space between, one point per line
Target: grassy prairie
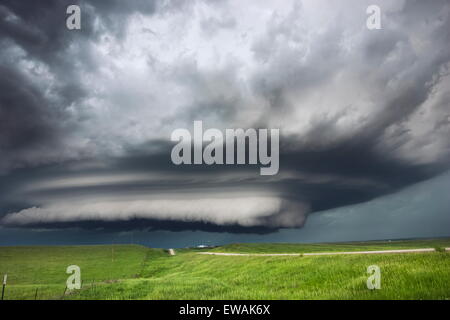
44 268
135 272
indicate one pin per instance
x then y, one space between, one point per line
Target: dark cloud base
355 175
149 225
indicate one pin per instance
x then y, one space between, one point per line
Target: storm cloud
86 115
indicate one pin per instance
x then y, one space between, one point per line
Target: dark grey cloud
28 124
86 116
42 73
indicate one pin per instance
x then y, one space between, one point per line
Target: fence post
64 293
5 277
35 294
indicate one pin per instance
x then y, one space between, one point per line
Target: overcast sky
86 115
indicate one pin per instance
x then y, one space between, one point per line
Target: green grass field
137 272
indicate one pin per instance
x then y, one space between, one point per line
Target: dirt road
322 253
